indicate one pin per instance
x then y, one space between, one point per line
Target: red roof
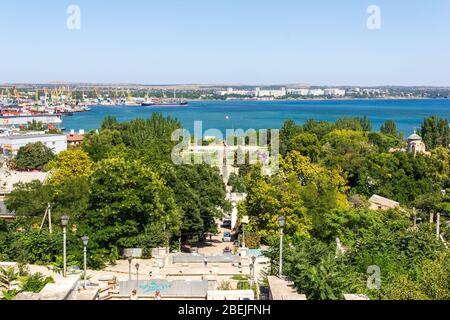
75 138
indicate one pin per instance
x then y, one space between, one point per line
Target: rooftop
31 136
9 178
75 137
379 200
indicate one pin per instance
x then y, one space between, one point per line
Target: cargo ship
164 104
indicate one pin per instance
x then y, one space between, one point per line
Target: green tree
33 156
97 145
200 194
29 199
70 164
129 207
288 131
435 132
389 127
307 144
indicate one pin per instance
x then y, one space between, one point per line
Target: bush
243 285
224 285
10 294
35 282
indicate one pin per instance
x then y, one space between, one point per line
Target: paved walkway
215 245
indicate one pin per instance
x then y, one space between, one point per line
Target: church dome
414 136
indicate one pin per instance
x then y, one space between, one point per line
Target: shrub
243 285
35 282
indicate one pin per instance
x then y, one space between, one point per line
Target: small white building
416 144
12 143
381 203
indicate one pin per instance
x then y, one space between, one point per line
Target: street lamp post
130 259
243 235
137 273
165 238
281 222
64 222
85 240
252 275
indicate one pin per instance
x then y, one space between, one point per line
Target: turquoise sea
271 114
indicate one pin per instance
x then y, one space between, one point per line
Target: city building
23 120
234 92
334 92
10 144
298 91
316 92
275 93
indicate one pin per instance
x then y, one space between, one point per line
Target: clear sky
320 42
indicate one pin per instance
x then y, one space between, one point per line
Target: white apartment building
300 92
271 93
231 91
10 144
334 92
316 92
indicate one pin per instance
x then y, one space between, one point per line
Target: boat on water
174 102
165 104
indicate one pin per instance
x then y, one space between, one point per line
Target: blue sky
320 42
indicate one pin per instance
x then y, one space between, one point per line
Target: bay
237 114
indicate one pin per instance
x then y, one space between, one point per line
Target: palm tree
7 277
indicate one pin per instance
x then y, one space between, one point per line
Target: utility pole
438 225
48 212
50 218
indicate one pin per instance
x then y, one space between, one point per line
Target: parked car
226 223
226 237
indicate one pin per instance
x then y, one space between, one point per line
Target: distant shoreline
323 99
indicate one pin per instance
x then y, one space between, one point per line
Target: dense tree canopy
123 191
328 171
